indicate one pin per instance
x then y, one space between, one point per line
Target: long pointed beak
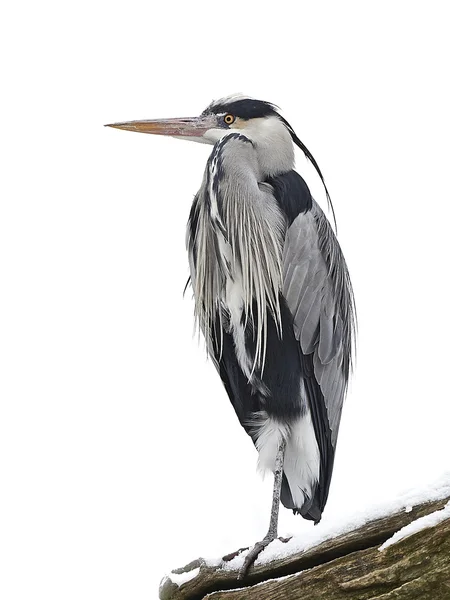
187 127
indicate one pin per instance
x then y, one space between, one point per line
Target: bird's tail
310 508
301 465
300 485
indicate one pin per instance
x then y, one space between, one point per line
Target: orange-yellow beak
194 127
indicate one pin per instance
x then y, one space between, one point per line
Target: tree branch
348 566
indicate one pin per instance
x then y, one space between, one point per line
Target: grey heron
272 294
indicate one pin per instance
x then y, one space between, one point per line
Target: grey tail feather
310 510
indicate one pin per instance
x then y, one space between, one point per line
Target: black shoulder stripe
292 194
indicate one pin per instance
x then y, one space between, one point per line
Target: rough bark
348 567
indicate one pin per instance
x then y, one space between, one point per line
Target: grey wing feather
317 289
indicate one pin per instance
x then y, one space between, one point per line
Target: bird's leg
273 525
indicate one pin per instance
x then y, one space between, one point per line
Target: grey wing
317 289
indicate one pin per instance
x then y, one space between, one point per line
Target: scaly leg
273 526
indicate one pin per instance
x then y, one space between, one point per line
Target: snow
181 578
422 523
327 530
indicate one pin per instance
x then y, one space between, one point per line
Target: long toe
253 555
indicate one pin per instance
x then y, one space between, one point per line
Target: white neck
273 144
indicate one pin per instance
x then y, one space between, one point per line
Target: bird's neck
273 145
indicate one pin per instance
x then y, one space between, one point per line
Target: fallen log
363 564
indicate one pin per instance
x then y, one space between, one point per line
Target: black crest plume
313 161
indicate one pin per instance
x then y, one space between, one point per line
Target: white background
121 456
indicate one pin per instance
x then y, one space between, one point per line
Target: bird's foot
254 553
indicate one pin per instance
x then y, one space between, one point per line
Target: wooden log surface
347 566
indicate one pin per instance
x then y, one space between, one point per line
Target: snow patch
180 578
327 530
422 523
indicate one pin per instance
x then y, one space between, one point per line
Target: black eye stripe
243 108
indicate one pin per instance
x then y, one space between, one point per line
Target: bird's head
260 121
256 119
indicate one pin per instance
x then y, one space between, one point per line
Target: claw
253 555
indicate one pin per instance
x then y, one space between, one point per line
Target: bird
272 295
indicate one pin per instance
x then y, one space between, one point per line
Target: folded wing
317 289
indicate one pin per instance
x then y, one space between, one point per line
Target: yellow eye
229 119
